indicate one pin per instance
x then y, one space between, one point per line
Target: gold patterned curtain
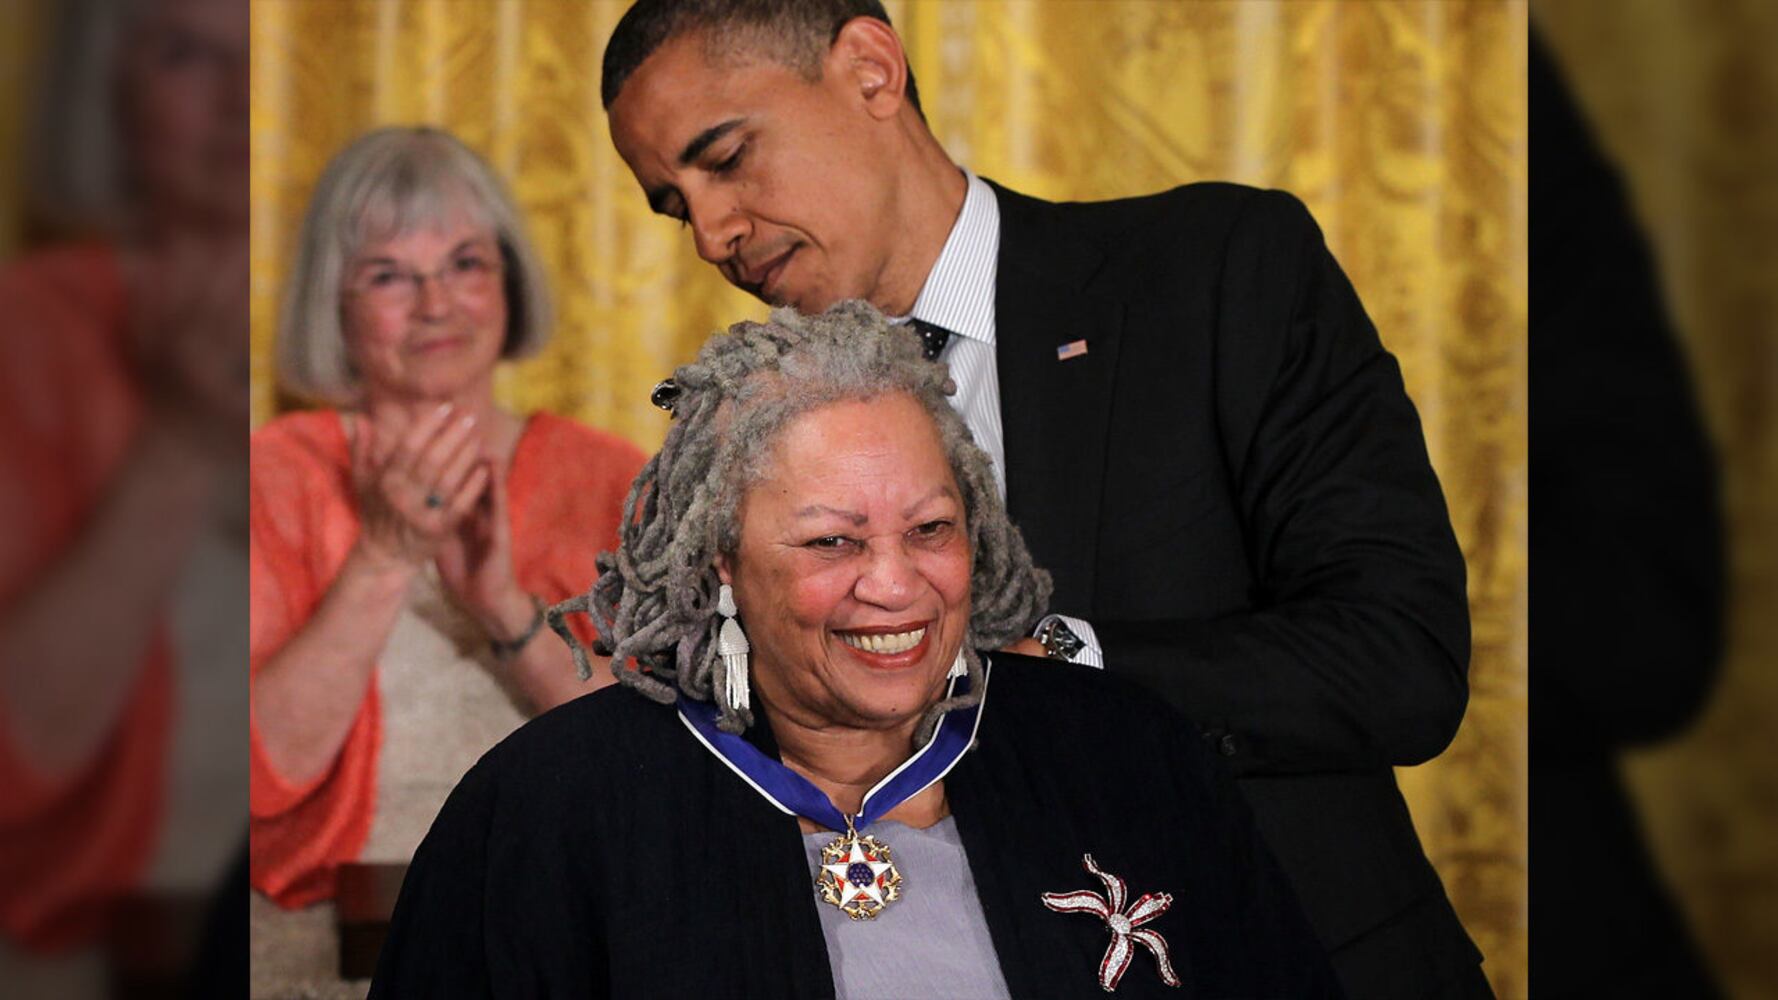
1402 125
19 32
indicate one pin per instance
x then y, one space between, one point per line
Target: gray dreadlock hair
655 599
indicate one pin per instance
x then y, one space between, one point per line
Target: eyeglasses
470 274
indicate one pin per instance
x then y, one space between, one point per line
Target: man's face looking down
785 183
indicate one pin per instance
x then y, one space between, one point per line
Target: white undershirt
959 296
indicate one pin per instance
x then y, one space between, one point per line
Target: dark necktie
932 337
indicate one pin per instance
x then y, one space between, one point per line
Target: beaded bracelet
507 649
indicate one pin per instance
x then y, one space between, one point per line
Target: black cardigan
602 851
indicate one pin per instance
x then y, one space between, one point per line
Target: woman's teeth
894 642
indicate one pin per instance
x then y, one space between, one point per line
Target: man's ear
867 54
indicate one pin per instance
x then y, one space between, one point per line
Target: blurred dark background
1654 480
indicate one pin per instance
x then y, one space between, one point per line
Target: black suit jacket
1232 486
602 851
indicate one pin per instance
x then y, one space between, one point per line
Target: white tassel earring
731 643
959 666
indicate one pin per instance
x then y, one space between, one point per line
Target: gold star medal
858 875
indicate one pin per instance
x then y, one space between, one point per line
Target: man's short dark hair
793 33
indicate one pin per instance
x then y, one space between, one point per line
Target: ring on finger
434 501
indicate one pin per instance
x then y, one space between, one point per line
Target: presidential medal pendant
857 875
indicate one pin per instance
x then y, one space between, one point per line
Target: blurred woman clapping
405 540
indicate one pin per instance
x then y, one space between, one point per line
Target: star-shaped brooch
858 875
1124 925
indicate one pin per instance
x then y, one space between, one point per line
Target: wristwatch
1057 639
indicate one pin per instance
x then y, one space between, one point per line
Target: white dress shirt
959 296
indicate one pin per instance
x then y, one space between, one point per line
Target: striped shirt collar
959 292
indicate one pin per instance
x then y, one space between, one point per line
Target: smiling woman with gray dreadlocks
811 581
656 597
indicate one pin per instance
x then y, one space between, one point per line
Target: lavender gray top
932 942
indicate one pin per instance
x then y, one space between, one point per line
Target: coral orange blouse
69 408
565 489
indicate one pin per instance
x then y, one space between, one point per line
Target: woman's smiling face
853 566
424 313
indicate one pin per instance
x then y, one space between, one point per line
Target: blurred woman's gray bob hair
388 183
655 599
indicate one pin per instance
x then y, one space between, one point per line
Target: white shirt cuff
1089 652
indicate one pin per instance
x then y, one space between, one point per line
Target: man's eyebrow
660 198
816 509
695 148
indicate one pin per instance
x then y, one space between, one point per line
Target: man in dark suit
1202 437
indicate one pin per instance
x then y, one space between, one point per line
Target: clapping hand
437 496
415 484
475 564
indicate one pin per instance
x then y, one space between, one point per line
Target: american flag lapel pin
1072 349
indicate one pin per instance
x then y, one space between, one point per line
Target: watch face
1060 641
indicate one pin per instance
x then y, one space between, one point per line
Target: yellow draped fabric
1685 101
18 33
1402 125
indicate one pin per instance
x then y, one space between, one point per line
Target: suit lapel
1055 413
